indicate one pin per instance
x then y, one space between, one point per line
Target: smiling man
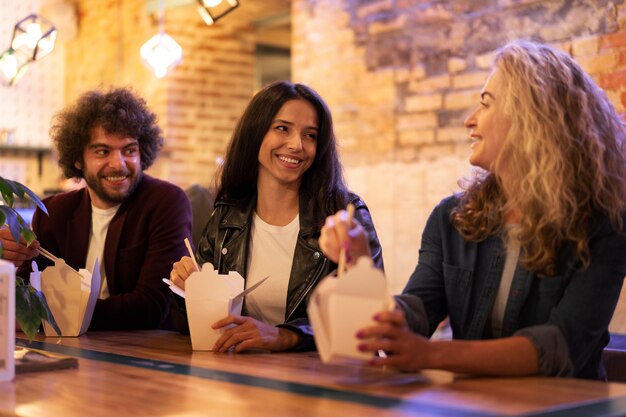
133 223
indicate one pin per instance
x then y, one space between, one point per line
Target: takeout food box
209 297
338 308
71 296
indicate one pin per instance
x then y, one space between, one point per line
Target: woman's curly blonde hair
564 155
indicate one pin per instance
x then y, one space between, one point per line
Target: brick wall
400 76
200 101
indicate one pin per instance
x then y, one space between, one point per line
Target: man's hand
14 252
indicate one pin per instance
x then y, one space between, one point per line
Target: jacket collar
239 214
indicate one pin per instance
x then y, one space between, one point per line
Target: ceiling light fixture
213 10
33 38
161 53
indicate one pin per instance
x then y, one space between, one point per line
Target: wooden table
155 373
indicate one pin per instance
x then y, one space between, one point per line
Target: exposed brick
621 59
374 7
423 102
598 63
451 134
585 46
613 80
417 121
456 65
393 25
430 84
461 99
416 137
485 61
613 40
623 100
470 80
434 152
402 75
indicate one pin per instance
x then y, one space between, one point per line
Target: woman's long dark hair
322 183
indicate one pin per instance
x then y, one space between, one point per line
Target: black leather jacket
225 245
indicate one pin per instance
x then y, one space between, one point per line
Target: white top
504 290
270 253
100 220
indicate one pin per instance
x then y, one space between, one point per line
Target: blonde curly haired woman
528 262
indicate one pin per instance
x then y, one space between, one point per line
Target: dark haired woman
280 180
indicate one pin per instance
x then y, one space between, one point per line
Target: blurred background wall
398 75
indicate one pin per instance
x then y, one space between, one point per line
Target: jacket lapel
112 244
78 230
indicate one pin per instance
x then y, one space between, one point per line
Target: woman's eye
281 128
312 136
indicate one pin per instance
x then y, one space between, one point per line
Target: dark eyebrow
98 145
287 122
105 146
486 93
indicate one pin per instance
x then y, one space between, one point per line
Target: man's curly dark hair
118 111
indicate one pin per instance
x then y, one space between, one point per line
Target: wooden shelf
39 152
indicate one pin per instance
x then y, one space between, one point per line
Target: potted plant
30 305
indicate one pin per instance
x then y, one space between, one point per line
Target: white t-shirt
270 253
504 290
100 220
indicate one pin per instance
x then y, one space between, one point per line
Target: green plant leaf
29 236
45 311
31 308
7 189
31 195
11 220
26 314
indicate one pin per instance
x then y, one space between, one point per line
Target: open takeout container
209 297
71 296
338 308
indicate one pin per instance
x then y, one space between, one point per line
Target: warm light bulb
161 54
12 67
211 3
8 66
33 33
46 45
34 38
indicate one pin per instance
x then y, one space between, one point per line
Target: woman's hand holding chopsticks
341 231
183 268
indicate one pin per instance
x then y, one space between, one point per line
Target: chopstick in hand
341 266
191 254
53 258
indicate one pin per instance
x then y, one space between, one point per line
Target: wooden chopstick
53 258
341 266
191 254
48 254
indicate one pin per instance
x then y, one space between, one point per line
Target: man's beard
95 184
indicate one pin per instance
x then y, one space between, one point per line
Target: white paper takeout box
338 308
209 297
71 296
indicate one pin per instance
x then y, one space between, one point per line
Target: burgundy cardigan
144 239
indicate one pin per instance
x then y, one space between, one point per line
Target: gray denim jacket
565 316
